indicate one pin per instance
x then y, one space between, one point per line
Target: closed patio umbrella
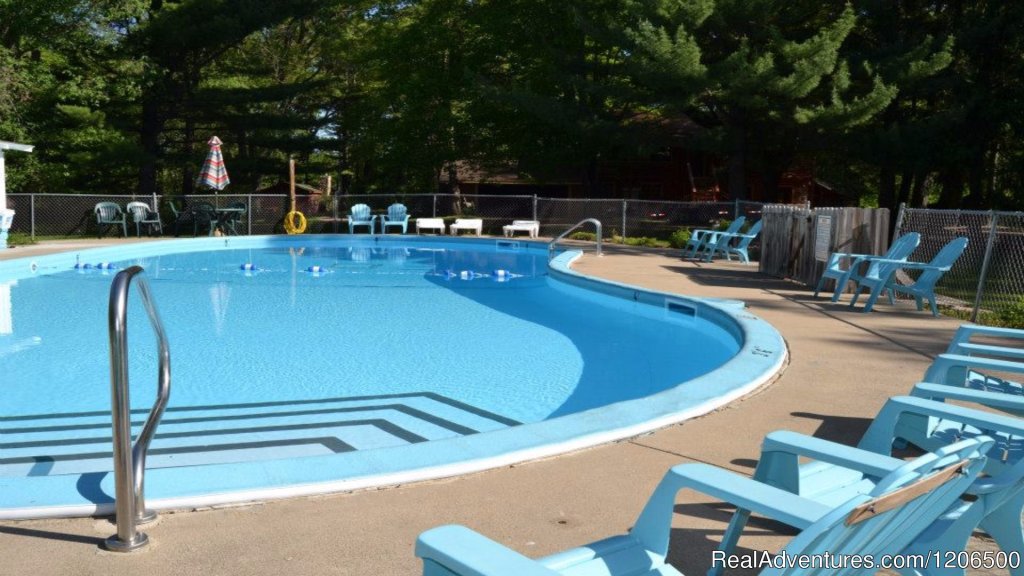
214 174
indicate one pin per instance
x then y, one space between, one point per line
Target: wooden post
291 181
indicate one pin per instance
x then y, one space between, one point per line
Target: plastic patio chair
398 215
701 237
882 276
883 520
359 215
723 244
970 364
899 250
998 496
229 221
204 217
109 214
142 215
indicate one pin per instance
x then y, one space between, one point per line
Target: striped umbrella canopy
214 174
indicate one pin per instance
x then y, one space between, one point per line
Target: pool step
75 443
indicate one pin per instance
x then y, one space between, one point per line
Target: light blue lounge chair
827 479
109 214
970 364
701 237
397 216
723 244
143 216
900 250
882 276
359 215
882 520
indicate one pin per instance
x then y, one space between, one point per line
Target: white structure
7 216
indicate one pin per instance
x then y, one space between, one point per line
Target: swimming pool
332 363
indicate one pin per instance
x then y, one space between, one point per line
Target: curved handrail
130 460
597 226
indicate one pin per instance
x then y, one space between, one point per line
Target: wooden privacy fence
796 241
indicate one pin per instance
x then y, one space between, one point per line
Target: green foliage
680 237
1012 316
584 236
20 239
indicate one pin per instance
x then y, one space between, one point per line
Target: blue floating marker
466 275
106 266
502 274
80 266
248 267
316 270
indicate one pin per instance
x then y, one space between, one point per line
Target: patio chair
359 215
229 219
204 217
723 244
882 520
109 214
970 364
827 479
143 216
182 215
398 216
899 250
701 237
471 224
531 227
430 224
882 276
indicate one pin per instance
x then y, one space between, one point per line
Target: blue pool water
344 348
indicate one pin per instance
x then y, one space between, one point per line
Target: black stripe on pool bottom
269 404
331 443
415 413
384 425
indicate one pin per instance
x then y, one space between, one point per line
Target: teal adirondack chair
397 216
723 244
142 215
109 214
359 215
998 497
701 237
900 250
962 366
882 520
882 276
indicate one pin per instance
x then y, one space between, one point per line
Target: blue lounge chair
882 276
398 216
701 237
109 214
143 216
359 215
998 496
882 520
900 250
970 364
723 244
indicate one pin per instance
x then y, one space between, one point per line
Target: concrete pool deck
843 365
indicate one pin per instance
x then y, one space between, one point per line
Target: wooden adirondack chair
902 504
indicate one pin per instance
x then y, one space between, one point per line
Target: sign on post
822 237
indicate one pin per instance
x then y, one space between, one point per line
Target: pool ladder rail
129 459
597 227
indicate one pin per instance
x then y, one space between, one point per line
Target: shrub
20 239
585 236
1012 316
679 238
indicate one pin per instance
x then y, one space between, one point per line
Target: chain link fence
70 215
988 280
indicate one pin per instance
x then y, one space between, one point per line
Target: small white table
430 224
472 224
532 227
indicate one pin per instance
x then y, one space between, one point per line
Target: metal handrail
597 225
130 460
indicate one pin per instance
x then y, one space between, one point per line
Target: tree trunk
917 190
952 182
976 181
906 179
887 186
152 126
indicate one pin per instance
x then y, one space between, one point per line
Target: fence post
736 209
434 213
899 220
32 215
624 218
248 214
984 266
535 207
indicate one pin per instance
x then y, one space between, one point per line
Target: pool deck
843 365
